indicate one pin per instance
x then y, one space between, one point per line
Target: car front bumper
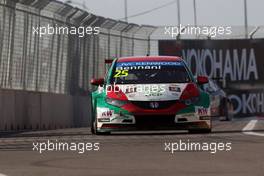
187 119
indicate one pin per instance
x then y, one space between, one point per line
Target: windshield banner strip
128 64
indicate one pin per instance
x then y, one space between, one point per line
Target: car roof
149 58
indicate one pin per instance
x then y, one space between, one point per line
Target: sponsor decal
104 120
121 73
174 89
237 65
144 65
147 67
154 91
104 114
108 113
248 103
235 60
201 111
125 64
153 94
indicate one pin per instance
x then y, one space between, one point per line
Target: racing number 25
121 73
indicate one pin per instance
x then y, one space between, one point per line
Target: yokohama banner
240 62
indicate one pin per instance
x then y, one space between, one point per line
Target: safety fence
34 57
38 53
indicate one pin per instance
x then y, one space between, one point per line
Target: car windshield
149 72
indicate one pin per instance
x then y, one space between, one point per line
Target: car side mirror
202 80
97 82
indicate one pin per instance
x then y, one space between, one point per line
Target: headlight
190 101
115 102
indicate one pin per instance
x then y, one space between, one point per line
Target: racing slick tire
92 121
95 131
228 111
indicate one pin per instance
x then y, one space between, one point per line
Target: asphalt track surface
140 153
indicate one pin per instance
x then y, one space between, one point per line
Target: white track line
249 127
2 174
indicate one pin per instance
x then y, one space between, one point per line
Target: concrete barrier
81 111
56 111
21 110
7 110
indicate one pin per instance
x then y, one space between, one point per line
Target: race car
150 93
221 105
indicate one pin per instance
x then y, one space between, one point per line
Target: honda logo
154 105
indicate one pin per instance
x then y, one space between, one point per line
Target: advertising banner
240 62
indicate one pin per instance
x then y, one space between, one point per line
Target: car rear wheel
229 111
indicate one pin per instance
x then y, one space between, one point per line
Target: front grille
155 120
154 104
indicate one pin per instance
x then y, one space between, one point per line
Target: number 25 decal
121 73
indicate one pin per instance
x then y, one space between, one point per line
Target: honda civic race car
221 105
146 93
